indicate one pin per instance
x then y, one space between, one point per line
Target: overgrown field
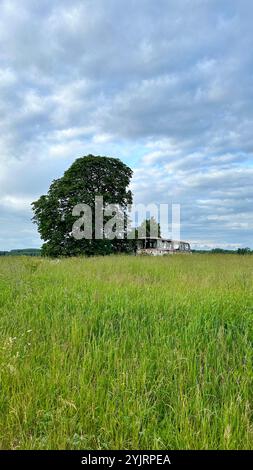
127 352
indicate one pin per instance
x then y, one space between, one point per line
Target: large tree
88 177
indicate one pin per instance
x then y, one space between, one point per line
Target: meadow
126 352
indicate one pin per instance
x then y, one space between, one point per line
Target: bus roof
162 239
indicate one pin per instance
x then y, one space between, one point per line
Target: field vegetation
126 352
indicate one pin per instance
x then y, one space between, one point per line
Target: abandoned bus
161 246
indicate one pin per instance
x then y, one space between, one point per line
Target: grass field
127 353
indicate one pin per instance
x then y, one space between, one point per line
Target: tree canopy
88 177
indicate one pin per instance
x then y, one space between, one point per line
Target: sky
165 85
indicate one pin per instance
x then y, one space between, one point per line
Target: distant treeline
37 252
24 252
240 251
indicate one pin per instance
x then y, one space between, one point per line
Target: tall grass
127 352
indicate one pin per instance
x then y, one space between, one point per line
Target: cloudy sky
165 85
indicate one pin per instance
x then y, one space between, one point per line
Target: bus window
152 243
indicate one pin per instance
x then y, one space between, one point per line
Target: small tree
243 251
88 177
149 228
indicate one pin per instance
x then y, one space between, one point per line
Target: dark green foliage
87 177
152 226
147 226
243 251
22 252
